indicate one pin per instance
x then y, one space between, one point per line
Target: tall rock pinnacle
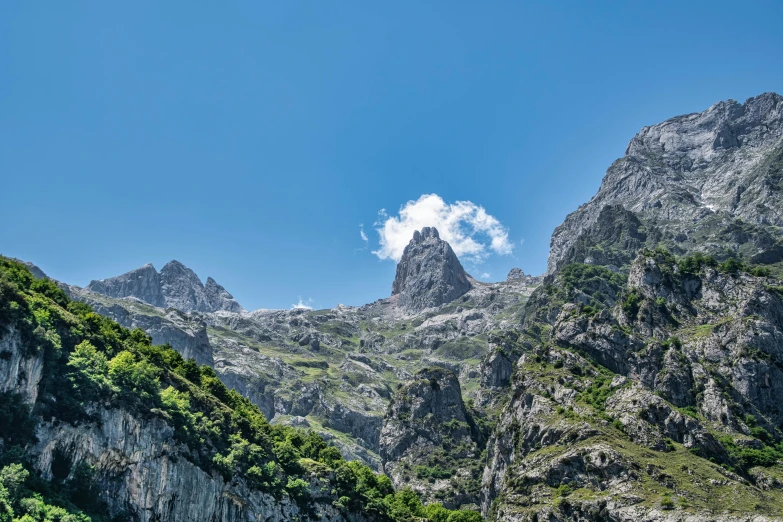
429 273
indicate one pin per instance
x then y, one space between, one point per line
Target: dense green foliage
693 264
21 499
598 391
577 281
589 278
747 457
89 359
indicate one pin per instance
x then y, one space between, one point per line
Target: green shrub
137 380
434 472
631 303
731 266
597 393
693 264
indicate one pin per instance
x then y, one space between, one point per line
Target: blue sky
250 140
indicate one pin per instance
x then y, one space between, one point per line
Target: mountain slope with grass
97 423
649 378
640 379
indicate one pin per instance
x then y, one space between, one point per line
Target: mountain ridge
686 174
640 378
175 286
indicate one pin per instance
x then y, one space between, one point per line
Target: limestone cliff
431 442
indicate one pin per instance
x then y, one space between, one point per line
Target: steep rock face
20 369
142 471
142 283
219 299
175 286
429 440
727 329
429 273
707 181
654 377
649 385
552 456
186 334
182 289
139 468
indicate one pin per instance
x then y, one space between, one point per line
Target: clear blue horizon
257 143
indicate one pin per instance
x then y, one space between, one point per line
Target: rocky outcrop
138 467
141 471
184 333
648 384
707 181
430 440
20 367
516 275
142 283
219 298
182 289
175 286
429 273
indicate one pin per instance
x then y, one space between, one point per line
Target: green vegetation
26 498
90 360
631 303
748 457
433 473
599 390
694 263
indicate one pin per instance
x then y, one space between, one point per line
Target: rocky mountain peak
429 273
142 283
175 286
514 274
709 176
182 288
219 298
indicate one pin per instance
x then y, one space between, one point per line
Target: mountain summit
429 273
175 286
710 181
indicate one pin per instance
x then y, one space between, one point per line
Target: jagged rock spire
429 273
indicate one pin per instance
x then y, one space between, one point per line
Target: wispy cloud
303 305
365 240
485 276
362 234
469 229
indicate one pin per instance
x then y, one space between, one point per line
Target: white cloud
303 306
471 232
361 233
485 275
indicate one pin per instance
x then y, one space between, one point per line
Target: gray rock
140 469
515 273
429 273
706 181
182 289
219 298
142 283
427 426
176 286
